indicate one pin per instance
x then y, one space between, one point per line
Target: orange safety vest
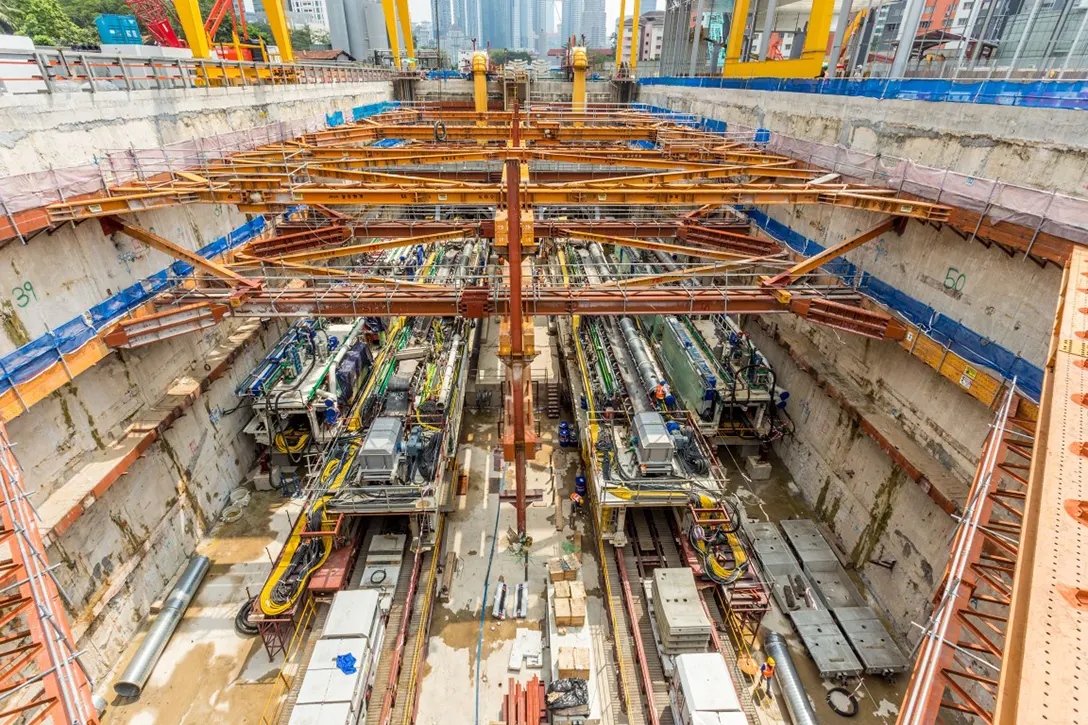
767 670
660 392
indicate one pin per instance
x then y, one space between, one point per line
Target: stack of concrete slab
876 651
682 623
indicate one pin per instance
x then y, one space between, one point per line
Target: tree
9 16
83 12
501 56
45 22
302 38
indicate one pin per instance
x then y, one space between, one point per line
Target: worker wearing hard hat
766 670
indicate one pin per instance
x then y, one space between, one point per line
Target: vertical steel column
911 17
697 38
619 36
517 343
634 36
836 45
390 14
768 29
406 29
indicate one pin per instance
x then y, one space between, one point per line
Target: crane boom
153 15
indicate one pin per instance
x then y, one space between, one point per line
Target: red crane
152 13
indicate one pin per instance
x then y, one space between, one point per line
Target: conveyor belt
670 551
418 629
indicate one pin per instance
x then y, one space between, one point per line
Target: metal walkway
414 645
385 662
636 708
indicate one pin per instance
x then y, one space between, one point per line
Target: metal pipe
140 666
640 352
640 401
788 680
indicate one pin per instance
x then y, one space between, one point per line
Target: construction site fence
55 70
34 190
1041 211
1032 94
954 336
34 358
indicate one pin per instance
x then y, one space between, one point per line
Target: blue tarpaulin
1032 94
35 357
958 338
373 109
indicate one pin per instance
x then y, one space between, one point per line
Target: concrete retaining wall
120 555
67 129
1044 148
871 505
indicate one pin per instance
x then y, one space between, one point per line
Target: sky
421 9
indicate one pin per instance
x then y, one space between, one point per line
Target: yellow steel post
193 27
619 36
277 20
580 61
634 36
736 34
406 28
391 27
479 84
808 65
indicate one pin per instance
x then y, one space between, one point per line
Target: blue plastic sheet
32 359
334 119
346 663
1031 94
960 339
373 109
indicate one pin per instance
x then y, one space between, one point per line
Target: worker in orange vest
766 670
660 392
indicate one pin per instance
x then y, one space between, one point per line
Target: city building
571 21
496 23
312 13
650 34
595 24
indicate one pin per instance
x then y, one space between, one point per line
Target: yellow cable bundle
271 608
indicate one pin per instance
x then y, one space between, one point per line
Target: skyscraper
595 24
495 23
543 25
459 14
571 22
472 21
444 17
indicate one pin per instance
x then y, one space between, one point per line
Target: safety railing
283 683
65 71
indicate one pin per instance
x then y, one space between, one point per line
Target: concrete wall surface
1009 300
121 553
870 504
67 129
1039 147
119 557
